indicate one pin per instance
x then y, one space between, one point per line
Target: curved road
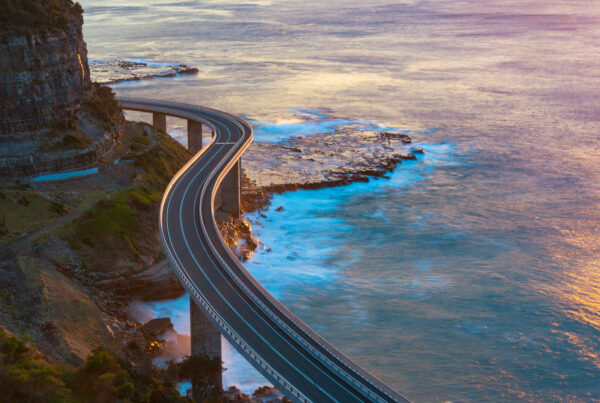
286 351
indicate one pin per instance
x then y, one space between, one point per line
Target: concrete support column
230 191
218 199
159 120
206 340
194 136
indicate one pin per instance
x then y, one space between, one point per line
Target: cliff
46 124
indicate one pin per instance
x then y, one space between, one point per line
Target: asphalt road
286 351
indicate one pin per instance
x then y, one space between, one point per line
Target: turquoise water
473 274
405 279
64 175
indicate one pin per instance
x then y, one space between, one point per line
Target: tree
25 377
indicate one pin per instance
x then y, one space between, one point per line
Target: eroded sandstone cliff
45 122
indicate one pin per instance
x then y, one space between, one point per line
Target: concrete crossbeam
194 136
159 120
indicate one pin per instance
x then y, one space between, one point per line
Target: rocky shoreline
320 161
114 71
310 162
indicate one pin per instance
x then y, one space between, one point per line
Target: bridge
226 298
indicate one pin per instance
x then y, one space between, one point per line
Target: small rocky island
114 71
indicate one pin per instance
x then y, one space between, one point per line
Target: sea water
472 273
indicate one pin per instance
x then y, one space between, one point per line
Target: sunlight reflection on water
476 274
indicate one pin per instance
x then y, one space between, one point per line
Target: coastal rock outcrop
114 71
319 161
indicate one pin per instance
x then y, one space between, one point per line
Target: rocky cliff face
44 84
44 78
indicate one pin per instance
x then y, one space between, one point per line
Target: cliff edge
52 118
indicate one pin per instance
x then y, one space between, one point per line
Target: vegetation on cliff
54 285
65 134
17 205
103 105
123 222
38 15
25 376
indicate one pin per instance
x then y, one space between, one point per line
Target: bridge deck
286 351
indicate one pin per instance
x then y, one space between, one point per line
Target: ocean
473 273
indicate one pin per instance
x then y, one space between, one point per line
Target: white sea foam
308 122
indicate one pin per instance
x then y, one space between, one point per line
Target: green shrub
26 377
103 105
71 141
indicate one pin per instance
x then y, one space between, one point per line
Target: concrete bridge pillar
206 340
194 136
231 190
159 120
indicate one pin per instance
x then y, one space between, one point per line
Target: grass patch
24 211
161 162
110 220
123 222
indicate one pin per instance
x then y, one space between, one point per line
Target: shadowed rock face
45 125
44 78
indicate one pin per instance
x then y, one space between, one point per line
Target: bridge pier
206 340
231 190
159 120
194 136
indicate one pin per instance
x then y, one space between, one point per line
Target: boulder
158 326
